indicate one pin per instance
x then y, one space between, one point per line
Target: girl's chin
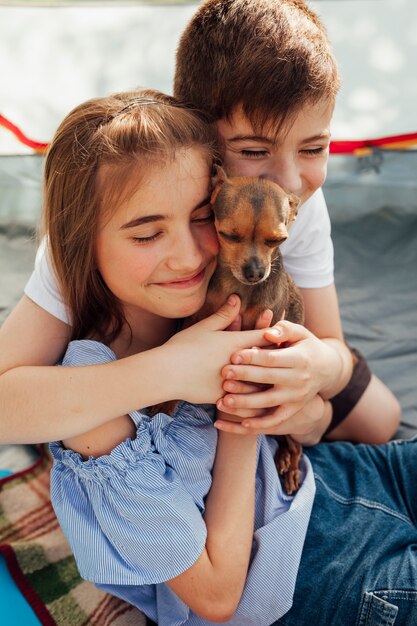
189 309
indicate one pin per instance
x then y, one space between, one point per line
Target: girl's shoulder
87 352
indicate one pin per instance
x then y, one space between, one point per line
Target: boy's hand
293 376
306 425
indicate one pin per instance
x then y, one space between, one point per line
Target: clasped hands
275 389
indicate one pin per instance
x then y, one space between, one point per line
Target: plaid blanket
40 560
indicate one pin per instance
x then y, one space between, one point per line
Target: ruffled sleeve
127 516
134 516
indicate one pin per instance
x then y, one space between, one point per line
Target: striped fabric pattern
133 518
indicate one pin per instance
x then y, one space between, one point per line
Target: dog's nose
254 270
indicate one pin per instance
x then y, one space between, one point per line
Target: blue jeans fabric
359 564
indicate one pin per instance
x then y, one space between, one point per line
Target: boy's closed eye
314 151
254 154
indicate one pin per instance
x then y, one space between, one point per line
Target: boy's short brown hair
270 57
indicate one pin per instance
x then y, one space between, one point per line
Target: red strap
336 147
35 145
395 141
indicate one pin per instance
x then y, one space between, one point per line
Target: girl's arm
46 403
212 587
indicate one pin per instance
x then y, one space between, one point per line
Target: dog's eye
230 237
273 243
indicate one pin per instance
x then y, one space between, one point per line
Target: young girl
187 523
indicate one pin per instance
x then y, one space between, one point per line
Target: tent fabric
373 210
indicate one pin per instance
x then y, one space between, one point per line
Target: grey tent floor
376 277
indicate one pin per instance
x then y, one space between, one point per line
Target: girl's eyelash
145 239
207 218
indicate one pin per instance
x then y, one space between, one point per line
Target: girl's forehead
151 183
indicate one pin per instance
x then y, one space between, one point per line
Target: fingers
285 331
236 324
260 400
225 316
296 357
237 386
228 316
231 427
276 422
265 371
265 319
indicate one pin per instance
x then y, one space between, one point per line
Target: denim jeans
359 564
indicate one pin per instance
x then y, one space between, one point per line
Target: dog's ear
294 202
217 180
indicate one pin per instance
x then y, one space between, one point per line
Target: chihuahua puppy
251 218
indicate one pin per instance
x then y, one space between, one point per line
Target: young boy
264 71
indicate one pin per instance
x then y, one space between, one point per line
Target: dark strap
345 401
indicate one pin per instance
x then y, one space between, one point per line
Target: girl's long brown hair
123 131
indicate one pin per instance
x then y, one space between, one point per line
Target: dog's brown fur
251 218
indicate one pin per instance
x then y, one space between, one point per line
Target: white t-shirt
307 253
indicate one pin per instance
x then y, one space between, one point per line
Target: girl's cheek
211 242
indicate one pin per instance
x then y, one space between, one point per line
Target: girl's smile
187 282
157 252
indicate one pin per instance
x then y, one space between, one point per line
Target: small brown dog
251 219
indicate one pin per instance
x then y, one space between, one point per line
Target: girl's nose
185 254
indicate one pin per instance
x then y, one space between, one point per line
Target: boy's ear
217 180
294 202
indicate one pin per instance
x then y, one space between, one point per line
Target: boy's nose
286 174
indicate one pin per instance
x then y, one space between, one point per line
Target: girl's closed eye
148 239
205 215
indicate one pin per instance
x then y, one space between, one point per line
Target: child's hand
293 374
199 353
306 425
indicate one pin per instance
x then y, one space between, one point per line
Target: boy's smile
296 159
